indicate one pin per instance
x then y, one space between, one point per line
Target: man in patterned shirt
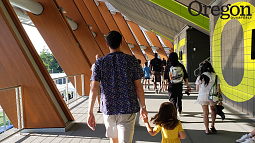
120 76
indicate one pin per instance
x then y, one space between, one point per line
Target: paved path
234 126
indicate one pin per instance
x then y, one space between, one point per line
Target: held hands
145 120
143 113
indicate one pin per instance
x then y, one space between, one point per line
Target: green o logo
245 90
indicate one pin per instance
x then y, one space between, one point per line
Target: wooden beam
140 37
61 41
90 20
83 34
112 25
21 65
129 37
89 44
155 41
97 16
168 44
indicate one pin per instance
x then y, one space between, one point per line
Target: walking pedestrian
146 71
166 121
176 74
120 76
204 83
156 68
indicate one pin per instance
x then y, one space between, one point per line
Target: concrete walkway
233 127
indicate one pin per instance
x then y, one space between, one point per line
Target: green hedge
1 119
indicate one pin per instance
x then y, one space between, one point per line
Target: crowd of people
119 78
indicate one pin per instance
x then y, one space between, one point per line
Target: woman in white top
204 83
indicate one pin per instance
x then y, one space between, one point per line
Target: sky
35 38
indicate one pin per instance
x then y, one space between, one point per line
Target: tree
49 61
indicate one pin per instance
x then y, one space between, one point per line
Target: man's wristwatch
143 106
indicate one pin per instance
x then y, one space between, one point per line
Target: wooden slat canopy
140 37
155 41
21 65
129 37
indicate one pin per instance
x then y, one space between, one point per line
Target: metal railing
15 117
200 65
65 94
5 122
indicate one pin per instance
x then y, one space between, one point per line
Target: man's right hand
91 121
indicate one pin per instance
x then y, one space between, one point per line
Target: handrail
200 65
67 76
11 87
19 110
66 96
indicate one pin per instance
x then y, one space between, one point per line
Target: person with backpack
156 68
175 73
204 83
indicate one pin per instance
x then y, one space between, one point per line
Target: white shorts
120 126
207 103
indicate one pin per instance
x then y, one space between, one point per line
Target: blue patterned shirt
117 72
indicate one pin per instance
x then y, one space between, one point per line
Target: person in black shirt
175 89
156 68
164 62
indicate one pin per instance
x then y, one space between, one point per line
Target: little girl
166 121
204 83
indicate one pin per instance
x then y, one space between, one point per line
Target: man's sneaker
243 138
250 140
